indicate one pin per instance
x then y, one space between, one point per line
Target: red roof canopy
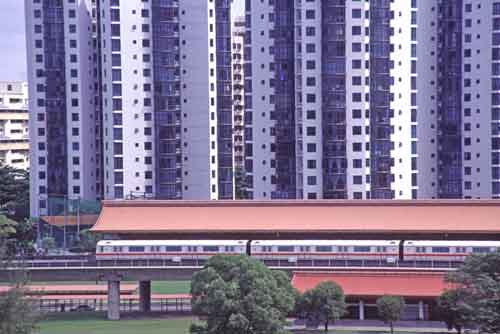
376 284
322 219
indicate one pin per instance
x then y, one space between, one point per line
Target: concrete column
421 313
114 300
361 310
145 296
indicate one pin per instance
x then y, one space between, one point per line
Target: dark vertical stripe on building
450 99
380 99
334 100
55 97
167 101
99 143
284 99
224 98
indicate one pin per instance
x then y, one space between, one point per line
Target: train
293 251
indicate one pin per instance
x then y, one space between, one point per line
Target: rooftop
376 284
325 219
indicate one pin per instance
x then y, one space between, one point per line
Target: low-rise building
14 140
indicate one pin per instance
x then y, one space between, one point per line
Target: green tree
240 183
479 282
390 309
7 227
324 303
453 309
48 243
17 312
239 294
87 241
14 203
14 193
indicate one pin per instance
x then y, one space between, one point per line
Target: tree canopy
453 309
390 309
238 294
479 283
324 303
14 193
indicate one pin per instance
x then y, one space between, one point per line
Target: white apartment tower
60 68
372 99
130 98
14 143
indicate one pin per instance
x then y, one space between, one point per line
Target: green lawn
170 287
160 287
96 324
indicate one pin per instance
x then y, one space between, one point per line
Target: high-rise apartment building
238 91
130 98
372 99
14 143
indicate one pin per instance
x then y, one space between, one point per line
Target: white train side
292 250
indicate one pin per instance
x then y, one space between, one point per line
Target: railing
198 263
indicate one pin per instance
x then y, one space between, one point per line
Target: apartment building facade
238 43
14 140
130 99
371 99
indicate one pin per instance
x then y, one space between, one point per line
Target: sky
13 42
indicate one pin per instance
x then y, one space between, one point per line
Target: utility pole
78 218
65 220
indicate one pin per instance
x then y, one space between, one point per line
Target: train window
117 249
192 248
343 249
440 249
229 248
381 249
210 248
362 249
304 249
173 248
460 250
285 248
324 249
155 248
136 249
420 249
267 248
100 249
480 250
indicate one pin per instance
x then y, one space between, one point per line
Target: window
362 249
480 250
211 249
311 131
310 14
285 248
324 249
136 249
440 249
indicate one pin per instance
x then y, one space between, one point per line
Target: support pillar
361 310
145 296
114 300
421 313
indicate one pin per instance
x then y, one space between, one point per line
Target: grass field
92 323
160 287
170 287
96 324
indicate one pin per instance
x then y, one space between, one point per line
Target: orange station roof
376 284
321 219
60 221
